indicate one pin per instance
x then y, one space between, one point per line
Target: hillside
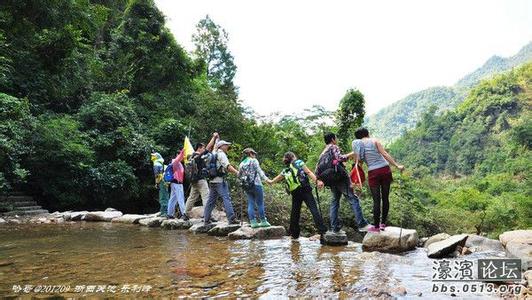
392 121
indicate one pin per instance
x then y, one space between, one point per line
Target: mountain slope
392 121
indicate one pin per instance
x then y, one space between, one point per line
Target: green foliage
350 114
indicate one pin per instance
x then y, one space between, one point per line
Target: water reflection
176 263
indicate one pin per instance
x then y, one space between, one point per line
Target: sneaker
373 229
364 229
184 217
264 223
382 226
254 223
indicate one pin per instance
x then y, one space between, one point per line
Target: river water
176 263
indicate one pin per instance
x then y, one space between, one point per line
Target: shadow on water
176 263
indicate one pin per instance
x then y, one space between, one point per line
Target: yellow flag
187 149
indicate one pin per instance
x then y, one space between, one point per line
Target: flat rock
522 249
479 243
515 234
436 238
176 224
197 213
152 222
110 209
223 229
262 233
130 218
443 248
202 227
392 240
331 238
101 216
77 215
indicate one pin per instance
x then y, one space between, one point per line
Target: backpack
298 178
246 179
192 171
212 166
168 173
330 171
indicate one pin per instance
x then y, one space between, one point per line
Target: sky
294 54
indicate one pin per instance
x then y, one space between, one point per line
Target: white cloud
293 54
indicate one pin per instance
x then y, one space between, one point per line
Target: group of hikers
207 167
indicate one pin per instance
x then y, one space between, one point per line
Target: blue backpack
169 173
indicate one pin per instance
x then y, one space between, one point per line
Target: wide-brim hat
249 150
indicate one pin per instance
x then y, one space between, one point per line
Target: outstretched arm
312 176
276 179
387 156
210 145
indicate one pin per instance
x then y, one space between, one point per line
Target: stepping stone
261 233
391 240
202 228
176 224
330 238
152 222
223 229
129 219
77 215
443 248
102 216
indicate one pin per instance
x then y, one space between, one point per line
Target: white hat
221 143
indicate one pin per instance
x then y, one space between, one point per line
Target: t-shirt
222 161
367 151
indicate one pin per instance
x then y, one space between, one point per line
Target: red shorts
380 176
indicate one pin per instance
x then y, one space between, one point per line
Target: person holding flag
158 170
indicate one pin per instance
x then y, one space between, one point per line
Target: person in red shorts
371 151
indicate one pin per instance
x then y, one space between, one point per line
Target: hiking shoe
264 223
254 223
364 229
184 217
382 226
373 229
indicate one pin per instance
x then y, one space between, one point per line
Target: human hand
216 135
401 168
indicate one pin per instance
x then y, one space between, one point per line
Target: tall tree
211 47
350 114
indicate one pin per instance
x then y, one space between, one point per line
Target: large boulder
261 233
223 229
102 216
436 238
176 224
331 238
521 249
77 215
479 243
129 219
202 227
152 222
197 213
443 248
515 235
392 239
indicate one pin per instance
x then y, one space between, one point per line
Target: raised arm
387 156
210 145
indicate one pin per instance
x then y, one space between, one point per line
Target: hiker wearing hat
217 167
158 170
251 175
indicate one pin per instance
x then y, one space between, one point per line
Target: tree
350 114
211 47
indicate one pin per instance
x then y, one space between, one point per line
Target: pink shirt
179 171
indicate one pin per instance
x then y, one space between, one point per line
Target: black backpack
212 168
328 171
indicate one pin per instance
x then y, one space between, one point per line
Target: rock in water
129 219
479 243
152 222
443 248
78 215
102 216
223 229
330 238
197 213
202 227
515 235
2 221
392 240
261 233
436 238
176 224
